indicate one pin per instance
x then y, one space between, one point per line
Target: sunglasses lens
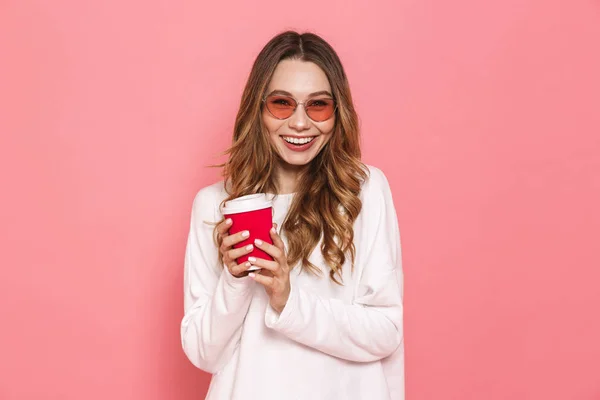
320 109
281 107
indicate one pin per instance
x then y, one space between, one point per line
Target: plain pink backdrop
485 116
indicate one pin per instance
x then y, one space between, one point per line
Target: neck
287 177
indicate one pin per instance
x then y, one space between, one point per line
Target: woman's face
302 81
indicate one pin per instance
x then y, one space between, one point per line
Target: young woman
324 319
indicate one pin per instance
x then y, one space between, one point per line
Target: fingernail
245 233
228 221
249 247
252 259
251 274
273 230
248 264
258 242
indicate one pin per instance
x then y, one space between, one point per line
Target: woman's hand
228 253
274 275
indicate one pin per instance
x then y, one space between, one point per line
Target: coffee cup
253 213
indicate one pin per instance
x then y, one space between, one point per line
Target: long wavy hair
326 202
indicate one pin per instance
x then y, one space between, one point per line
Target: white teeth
298 141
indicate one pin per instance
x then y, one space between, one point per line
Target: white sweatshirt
329 342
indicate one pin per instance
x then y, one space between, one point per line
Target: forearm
211 329
354 332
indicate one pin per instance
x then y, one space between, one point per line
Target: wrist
236 282
280 305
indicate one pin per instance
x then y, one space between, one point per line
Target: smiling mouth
298 141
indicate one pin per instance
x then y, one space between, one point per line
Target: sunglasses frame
264 100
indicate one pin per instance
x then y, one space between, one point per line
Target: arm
215 302
370 328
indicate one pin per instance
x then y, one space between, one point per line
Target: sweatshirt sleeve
215 302
371 327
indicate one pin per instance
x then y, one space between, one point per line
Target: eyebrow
283 92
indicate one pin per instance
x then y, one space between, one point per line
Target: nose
299 121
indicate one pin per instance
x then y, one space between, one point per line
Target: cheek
271 124
326 139
327 128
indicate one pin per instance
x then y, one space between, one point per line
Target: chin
298 159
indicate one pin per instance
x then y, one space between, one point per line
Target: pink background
484 115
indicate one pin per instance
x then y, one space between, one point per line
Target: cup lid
247 203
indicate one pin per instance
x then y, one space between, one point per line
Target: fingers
265 272
240 270
272 266
266 281
229 254
277 239
223 227
234 254
270 249
230 240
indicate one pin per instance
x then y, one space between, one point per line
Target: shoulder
376 183
212 192
376 194
378 207
207 200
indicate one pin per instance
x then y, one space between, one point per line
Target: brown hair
327 200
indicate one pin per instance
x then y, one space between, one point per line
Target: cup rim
250 202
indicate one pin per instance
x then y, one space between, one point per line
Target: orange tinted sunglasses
283 107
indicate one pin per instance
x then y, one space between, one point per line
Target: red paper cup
253 213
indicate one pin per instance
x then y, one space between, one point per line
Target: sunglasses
283 107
